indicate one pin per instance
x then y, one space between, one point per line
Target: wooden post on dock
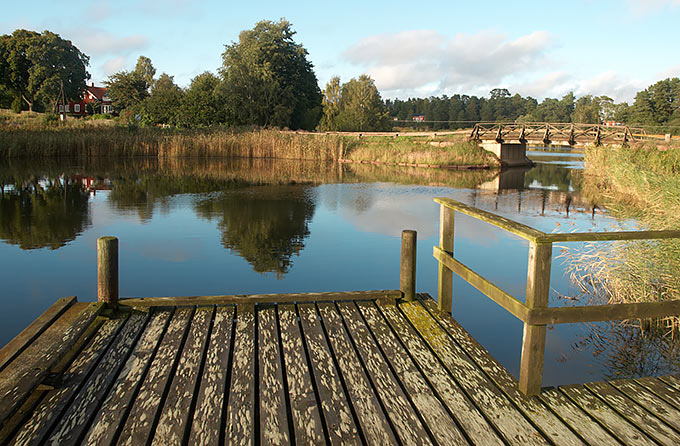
407 273
533 342
445 283
107 271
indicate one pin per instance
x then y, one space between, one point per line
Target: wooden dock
328 368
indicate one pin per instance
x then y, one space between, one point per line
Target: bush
17 105
101 116
50 118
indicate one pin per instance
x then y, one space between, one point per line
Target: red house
92 95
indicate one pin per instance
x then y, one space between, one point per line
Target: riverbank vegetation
639 183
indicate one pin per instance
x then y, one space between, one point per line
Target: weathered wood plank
611 236
611 312
240 427
176 411
56 401
671 380
29 334
273 417
488 398
33 363
408 426
371 418
532 407
519 229
608 417
75 422
440 423
205 429
340 424
445 277
259 298
635 414
468 416
647 399
305 415
576 418
120 399
142 417
661 389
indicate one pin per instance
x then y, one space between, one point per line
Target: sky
410 48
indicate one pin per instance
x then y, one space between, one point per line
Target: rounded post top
409 232
107 238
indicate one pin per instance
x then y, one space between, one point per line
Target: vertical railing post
445 285
533 342
107 271
407 273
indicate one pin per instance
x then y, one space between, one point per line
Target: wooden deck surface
341 369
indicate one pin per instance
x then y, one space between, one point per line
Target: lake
262 226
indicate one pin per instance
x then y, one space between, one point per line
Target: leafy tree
201 106
37 66
268 80
129 88
164 104
358 107
586 110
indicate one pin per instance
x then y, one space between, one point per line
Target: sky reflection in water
204 233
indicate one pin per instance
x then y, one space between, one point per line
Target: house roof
98 92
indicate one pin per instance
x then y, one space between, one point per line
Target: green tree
201 106
36 67
129 88
164 104
331 104
358 108
586 110
268 80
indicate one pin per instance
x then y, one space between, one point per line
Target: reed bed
88 142
638 182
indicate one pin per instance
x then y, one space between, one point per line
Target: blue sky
411 48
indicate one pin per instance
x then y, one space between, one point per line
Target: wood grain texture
636 414
240 427
31 365
487 397
532 407
406 423
304 410
273 417
176 411
602 412
112 412
650 401
440 423
205 429
140 421
76 421
467 415
372 420
56 401
445 278
340 424
668 393
35 329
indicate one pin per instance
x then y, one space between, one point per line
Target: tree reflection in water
265 225
39 213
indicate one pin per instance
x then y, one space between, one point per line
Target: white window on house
107 108
76 108
61 109
68 108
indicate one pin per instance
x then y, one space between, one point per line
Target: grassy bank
641 183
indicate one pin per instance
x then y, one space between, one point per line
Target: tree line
267 80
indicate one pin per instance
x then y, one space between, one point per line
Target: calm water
209 228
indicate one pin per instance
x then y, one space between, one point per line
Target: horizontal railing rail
534 312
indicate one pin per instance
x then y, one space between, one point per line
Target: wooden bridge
374 367
563 134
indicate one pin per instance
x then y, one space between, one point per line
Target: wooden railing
534 311
556 133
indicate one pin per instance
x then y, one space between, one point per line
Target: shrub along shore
85 141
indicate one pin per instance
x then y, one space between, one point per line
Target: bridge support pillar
510 154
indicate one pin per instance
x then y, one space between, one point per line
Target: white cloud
424 60
96 42
611 84
114 65
554 84
644 7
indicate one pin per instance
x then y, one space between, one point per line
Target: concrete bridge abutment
510 154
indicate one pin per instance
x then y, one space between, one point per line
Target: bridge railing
534 312
551 132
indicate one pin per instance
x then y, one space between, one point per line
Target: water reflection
265 225
37 213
